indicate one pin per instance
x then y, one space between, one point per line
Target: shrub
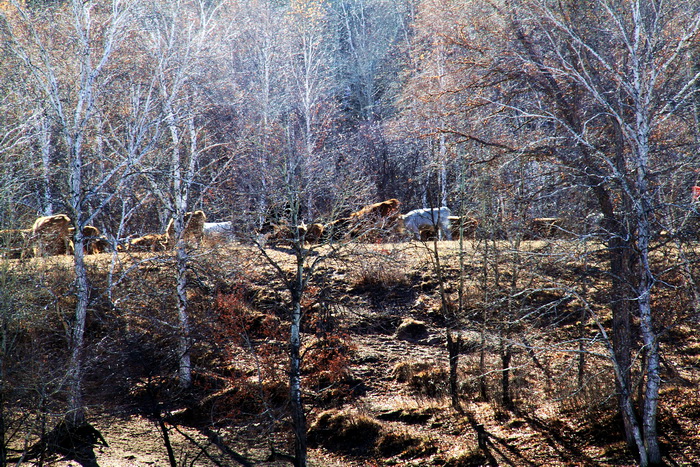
405 446
423 378
412 330
378 275
404 371
344 431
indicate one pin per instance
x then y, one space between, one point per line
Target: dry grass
388 395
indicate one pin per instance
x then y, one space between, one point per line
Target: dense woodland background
126 114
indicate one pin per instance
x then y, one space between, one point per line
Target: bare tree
638 94
93 33
178 35
604 92
368 31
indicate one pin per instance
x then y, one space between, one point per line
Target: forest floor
556 419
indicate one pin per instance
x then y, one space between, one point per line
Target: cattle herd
54 235
49 236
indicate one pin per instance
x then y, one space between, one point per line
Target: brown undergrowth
373 395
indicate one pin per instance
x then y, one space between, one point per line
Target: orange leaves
307 13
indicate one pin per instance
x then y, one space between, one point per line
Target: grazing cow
544 227
193 229
283 234
214 232
93 242
149 242
15 243
51 236
279 234
368 221
422 218
314 232
386 208
311 233
469 225
338 228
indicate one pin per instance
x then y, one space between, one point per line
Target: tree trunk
298 416
76 410
295 392
619 252
185 344
622 330
45 144
180 194
3 354
581 348
646 319
454 344
506 355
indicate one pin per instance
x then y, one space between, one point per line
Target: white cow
434 217
218 229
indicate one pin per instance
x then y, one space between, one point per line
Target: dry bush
345 432
587 400
431 383
405 445
247 400
326 367
253 397
376 322
378 274
404 371
239 318
412 330
410 416
423 378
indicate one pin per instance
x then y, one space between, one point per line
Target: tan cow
371 222
544 227
193 229
51 236
94 243
310 234
386 208
470 225
314 232
148 242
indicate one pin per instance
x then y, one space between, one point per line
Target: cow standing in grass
421 219
193 229
51 236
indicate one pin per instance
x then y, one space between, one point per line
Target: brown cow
470 224
339 228
386 208
51 236
314 232
15 243
93 242
311 233
544 227
149 242
193 229
368 221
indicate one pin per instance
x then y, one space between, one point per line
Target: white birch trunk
45 144
295 389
